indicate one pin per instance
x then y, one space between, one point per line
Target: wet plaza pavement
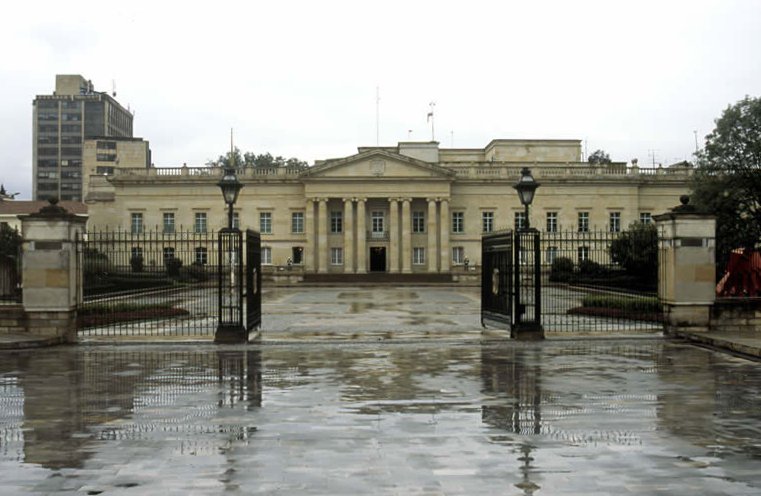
643 416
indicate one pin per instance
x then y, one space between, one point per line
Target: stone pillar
393 228
52 277
433 249
311 246
406 236
322 236
446 257
686 267
348 235
361 236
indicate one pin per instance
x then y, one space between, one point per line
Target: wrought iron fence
149 283
10 279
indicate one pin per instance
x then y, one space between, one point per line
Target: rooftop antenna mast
113 88
377 116
232 149
430 119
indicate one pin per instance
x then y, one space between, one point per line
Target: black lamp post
230 187
526 187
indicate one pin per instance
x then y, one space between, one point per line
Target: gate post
52 278
230 328
686 267
528 287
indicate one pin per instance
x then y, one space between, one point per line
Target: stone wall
736 315
12 319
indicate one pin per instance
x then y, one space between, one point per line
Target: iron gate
253 280
148 283
497 278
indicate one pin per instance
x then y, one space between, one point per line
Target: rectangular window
200 222
336 256
376 225
583 253
418 256
202 256
297 223
615 222
137 223
520 220
418 222
552 222
458 255
168 222
265 222
583 221
168 254
297 255
645 217
336 221
552 254
487 221
458 222
236 220
266 255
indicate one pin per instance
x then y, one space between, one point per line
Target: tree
599 157
250 159
727 180
636 250
10 241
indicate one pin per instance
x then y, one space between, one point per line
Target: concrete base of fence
527 332
693 318
231 335
736 315
61 325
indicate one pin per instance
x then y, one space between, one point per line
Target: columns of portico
406 236
309 256
444 233
431 228
348 235
361 237
322 236
393 226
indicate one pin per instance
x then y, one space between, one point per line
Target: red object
743 275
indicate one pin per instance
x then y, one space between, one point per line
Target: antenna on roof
113 88
430 119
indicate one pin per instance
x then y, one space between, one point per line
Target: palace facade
410 208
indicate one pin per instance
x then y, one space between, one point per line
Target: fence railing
10 280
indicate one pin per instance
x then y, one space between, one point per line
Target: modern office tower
61 123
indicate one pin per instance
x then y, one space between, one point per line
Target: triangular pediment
378 164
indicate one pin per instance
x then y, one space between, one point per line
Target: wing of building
410 208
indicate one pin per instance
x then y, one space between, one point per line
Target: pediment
378 164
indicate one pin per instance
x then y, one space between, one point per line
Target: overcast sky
299 78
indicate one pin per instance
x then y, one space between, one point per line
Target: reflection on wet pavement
629 417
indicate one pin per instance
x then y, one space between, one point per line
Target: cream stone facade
410 208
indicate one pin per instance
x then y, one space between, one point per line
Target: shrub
562 270
649 304
636 250
173 266
590 268
137 263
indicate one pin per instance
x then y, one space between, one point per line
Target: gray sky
299 78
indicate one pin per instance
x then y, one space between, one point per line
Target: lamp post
230 187
230 328
526 187
527 324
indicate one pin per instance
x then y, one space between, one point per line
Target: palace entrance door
377 259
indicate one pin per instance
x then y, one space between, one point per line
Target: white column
446 257
322 236
348 235
393 227
406 236
432 249
361 237
310 250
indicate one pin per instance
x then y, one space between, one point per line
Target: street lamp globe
230 187
526 187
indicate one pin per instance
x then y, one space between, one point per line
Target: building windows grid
265 222
168 218
583 221
136 223
418 222
487 221
646 217
297 222
552 222
200 225
336 256
336 221
615 222
458 222
418 256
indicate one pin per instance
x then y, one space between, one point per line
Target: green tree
727 179
599 157
10 241
636 250
250 159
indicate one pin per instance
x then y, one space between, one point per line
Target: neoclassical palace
410 208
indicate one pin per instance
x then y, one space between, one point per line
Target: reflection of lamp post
230 187
526 187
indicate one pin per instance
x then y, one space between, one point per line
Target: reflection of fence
10 280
